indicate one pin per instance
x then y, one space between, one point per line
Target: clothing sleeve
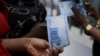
4 27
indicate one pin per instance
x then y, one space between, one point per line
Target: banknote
65 8
80 8
58 32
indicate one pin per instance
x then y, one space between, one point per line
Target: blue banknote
80 8
58 32
65 8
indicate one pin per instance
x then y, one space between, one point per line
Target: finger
61 50
91 10
46 53
76 13
55 52
87 4
46 44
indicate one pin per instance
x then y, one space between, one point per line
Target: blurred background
80 44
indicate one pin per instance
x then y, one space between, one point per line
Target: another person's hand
81 19
91 10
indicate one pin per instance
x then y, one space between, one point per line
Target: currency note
65 8
58 32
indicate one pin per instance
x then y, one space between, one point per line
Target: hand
39 47
81 19
36 46
91 10
54 52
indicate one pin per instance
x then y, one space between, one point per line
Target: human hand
81 19
39 47
91 10
36 46
54 52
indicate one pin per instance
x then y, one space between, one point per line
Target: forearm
15 45
95 33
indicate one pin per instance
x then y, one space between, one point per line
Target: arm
95 33
84 21
31 40
15 45
33 46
